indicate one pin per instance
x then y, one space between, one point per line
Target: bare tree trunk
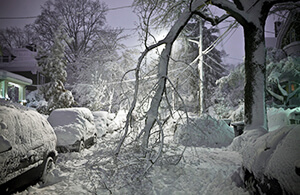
255 70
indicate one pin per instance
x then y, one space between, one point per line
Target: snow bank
204 131
72 124
275 155
109 122
279 117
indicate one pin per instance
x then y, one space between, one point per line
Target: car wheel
47 168
95 139
81 146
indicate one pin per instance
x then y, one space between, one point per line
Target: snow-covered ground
200 170
94 171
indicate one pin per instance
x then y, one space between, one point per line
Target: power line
32 17
18 17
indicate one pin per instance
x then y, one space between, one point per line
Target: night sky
124 18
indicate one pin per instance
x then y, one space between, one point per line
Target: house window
5 58
294 86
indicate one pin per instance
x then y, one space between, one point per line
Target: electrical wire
32 17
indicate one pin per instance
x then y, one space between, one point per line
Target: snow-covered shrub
57 97
204 131
287 65
36 100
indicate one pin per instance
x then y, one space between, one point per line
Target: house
13 86
22 61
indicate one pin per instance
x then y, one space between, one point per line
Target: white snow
275 155
106 122
204 131
279 117
202 167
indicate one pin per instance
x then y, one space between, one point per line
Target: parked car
27 147
74 128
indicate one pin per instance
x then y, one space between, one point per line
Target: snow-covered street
200 171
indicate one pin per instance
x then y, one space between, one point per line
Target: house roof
5 75
24 61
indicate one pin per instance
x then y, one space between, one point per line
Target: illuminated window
293 87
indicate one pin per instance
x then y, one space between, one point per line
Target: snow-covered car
74 128
27 147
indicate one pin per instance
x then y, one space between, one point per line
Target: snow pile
72 124
108 122
279 117
204 131
102 121
275 155
202 171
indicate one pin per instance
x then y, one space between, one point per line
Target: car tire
49 165
81 146
95 139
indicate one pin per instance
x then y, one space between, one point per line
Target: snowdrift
106 122
204 131
275 156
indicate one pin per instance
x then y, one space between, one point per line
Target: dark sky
124 18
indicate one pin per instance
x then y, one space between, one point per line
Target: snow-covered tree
54 67
15 37
251 14
83 21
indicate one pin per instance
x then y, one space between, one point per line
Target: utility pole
200 67
200 70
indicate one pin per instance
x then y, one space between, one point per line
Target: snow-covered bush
57 97
36 100
204 131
